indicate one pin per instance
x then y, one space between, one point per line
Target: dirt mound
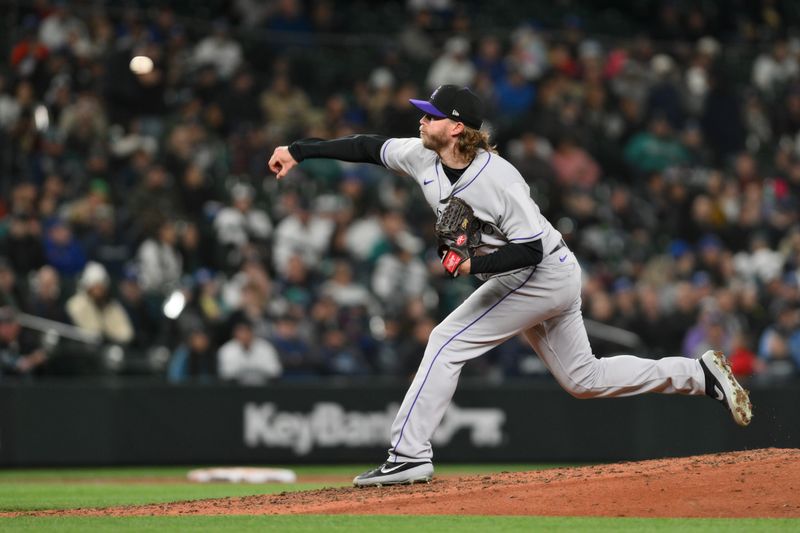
759 483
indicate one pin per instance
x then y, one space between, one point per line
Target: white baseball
141 65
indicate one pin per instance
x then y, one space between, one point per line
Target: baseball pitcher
489 226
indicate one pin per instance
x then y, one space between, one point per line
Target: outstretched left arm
353 148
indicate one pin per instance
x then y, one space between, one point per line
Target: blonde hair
471 140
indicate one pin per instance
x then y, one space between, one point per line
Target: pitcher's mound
759 483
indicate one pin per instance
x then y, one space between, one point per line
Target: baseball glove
458 231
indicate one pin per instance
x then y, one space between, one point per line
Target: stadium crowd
135 203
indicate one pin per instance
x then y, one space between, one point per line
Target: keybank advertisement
330 425
83 424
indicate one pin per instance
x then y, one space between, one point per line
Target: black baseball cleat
723 387
389 473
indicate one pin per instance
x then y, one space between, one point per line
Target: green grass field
28 490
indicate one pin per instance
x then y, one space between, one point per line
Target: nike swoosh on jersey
563 258
385 470
426 182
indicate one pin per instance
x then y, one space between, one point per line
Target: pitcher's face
434 132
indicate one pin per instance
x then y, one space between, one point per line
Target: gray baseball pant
544 304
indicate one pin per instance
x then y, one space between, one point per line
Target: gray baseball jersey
542 302
491 185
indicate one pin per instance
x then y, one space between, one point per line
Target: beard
434 143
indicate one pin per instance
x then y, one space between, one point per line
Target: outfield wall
73 423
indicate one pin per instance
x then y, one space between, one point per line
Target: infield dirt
757 483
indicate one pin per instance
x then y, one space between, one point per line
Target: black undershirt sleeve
354 148
509 257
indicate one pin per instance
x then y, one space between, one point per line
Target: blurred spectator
247 359
761 264
45 300
574 167
757 122
711 332
286 108
416 37
152 200
625 304
400 275
531 154
696 78
94 309
513 96
296 355
343 289
721 119
23 244
664 97
209 297
453 66
11 293
253 309
773 70
779 345
656 149
62 249
743 361
376 96
412 348
682 317
83 213
303 233
240 100
340 355
650 322
528 52
196 192
106 243
241 223
29 54
159 263
207 88
387 357
251 13
489 59
146 317
9 108
601 308
194 359
786 122
83 124
20 352
193 251
398 119
289 17
219 50
61 29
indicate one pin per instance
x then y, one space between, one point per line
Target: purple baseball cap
453 102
